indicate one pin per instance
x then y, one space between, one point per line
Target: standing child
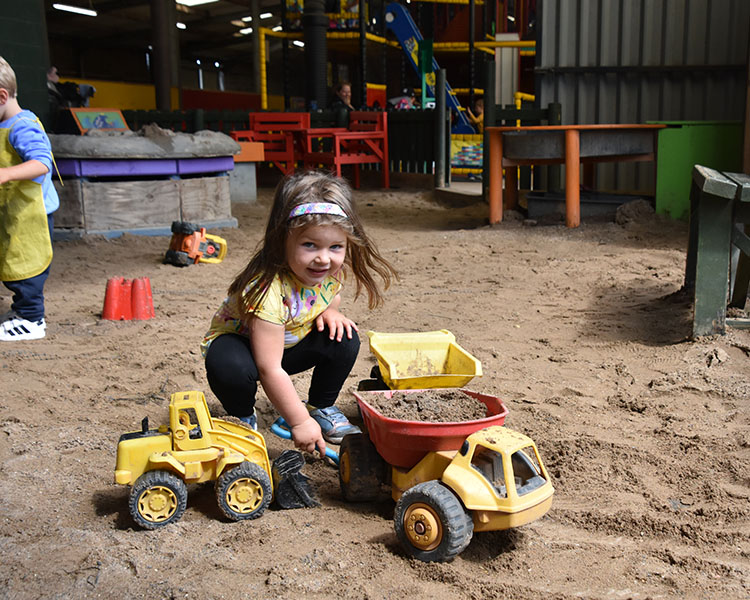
477 120
282 313
27 201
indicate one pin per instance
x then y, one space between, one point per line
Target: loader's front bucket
291 488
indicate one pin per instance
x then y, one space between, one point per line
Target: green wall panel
683 144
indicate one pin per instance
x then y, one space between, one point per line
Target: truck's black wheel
183 227
179 259
361 469
244 492
431 523
157 498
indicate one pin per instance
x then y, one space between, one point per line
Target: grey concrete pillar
314 25
164 41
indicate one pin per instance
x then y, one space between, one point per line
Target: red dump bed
405 443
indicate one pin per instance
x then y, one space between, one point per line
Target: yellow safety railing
486 46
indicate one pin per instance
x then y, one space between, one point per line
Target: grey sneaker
251 421
333 424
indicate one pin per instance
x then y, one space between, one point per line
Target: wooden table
571 145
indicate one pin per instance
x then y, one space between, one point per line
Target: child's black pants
233 375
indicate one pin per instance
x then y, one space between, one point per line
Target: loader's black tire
183 227
431 523
361 469
244 492
157 498
179 259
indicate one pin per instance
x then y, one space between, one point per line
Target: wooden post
572 178
489 121
440 130
496 175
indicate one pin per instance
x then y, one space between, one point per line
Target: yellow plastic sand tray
431 359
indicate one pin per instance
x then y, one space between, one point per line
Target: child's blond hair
7 78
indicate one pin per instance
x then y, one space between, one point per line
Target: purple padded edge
69 166
212 164
82 167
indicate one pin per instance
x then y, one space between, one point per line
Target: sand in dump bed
431 406
582 332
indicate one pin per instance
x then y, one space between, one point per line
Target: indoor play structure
399 21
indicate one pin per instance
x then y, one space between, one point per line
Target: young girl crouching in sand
282 313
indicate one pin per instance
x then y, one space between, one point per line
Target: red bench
364 142
276 132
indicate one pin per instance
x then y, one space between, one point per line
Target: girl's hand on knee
308 437
337 324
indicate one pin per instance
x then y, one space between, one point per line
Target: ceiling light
195 2
277 28
237 23
181 25
246 30
298 43
262 16
75 9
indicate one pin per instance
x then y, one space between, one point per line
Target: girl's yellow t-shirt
288 303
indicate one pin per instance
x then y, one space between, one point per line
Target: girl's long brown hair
362 257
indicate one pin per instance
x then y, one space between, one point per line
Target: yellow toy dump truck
193 448
448 479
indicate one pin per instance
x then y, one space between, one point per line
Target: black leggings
233 375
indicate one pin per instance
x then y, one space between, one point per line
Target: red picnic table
365 141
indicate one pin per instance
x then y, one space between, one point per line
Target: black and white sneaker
8 314
16 329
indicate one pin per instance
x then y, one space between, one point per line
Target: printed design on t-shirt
299 300
292 303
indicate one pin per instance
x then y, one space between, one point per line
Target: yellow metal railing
519 97
486 46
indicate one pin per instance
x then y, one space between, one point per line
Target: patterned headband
317 208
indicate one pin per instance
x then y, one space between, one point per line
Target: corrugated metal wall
632 61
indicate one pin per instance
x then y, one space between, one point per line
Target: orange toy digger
191 244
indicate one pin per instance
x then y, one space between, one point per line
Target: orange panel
250 152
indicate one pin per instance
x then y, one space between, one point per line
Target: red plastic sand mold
128 299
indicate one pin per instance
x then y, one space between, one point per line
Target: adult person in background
342 96
52 80
68 94
56 100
